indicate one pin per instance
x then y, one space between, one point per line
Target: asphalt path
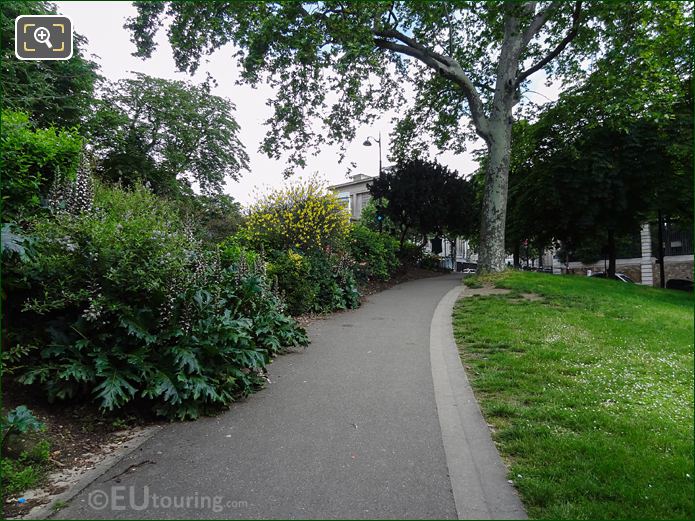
347 428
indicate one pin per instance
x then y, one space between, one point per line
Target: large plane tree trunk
494 212
499 146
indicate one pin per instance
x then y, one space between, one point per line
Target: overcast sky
102 24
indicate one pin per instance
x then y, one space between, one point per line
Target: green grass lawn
589 391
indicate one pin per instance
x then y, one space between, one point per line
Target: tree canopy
53 92
340 64
589 184
425 198
166 133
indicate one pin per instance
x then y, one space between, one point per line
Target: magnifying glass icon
43 35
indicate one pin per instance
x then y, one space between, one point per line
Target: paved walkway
348 428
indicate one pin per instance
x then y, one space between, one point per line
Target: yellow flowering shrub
303 215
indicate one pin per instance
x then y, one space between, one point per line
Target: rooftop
356 179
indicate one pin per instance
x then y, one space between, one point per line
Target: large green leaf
114 391
162 386
22 420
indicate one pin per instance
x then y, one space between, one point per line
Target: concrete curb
46 511
478 475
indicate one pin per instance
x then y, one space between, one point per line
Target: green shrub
303 231
216 216
18 476
314 282
31 160
19 420
17 249
375 254
26 470
345 277
334 280
24 461
133 307
430 261
40 452
290 270
374 217
233 251
411 254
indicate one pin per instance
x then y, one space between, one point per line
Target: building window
344 198
363 200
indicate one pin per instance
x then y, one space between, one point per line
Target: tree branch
576 14
444 65
410 42
538 20
393 15
450 30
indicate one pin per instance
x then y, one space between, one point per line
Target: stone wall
632 271
676 267
673 270
630 267
643 269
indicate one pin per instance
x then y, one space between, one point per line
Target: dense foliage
166 133
375 254
216 216
314 281
154 294
303 215
469 65
425 198
304 230
32 160
589 184
374 217
54 92
135 308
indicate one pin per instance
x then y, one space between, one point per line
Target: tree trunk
499 145
661 253
404 231
494 214
517 254
611 253
541 250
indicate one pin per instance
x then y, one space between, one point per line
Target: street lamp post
368 143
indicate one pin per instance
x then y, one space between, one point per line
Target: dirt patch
485 291
491 290
534 297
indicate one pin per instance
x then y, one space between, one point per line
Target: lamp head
367 143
